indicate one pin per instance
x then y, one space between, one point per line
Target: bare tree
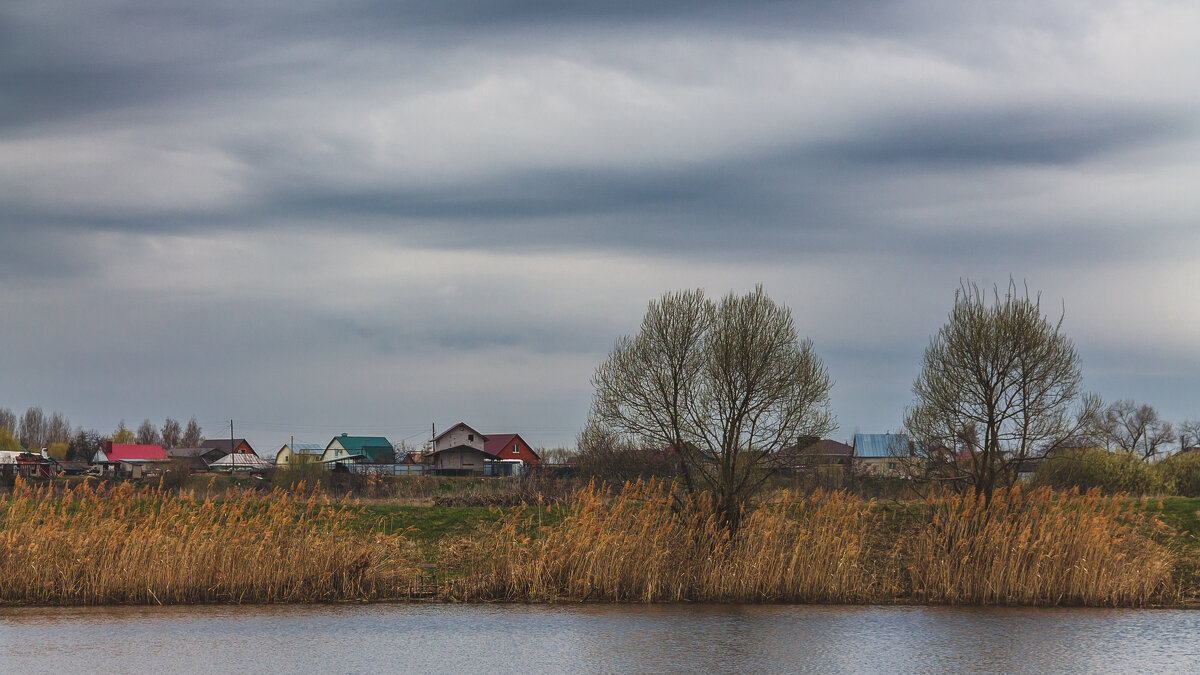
723 385
1134 429
605 455
8 421
191 435
84 445
1189 434
58 429
172 433
147 434
32 431
996 389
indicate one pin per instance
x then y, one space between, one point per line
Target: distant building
460 449
128 459
229 446
299 453
205 455
826 452
112 453
510 447
883 454
347 449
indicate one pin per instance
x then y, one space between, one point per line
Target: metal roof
880 445
305 448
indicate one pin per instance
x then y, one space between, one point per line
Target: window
470 437
516 449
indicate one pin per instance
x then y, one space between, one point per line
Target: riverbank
146 546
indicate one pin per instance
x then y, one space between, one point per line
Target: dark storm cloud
1014 136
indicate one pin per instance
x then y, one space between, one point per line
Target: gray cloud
381 213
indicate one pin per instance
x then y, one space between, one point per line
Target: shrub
1110 472
1182 471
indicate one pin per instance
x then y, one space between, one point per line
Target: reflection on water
596 639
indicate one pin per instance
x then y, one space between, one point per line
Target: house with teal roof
347 449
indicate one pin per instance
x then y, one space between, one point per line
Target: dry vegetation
1038 548
637 544
141 546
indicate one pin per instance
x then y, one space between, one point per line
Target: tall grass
631 545
1040 548
142 546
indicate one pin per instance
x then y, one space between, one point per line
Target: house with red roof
129 459
510 446
111 453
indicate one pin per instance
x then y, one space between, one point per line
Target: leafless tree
1134 429
1189 434
32 431
58 429
996 389
147 434
605 455
726 385
8 421
172 433
191 435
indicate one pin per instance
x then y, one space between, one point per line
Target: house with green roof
347 449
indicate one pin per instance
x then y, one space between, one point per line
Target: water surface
596 639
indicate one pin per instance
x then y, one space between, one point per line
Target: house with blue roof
883 454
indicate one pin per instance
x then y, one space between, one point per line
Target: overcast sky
320 216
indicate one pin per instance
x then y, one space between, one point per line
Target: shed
241 461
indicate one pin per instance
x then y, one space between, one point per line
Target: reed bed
143 546
1040 548
630 545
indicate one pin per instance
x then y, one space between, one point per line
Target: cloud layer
331 217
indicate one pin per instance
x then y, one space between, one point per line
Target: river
596 639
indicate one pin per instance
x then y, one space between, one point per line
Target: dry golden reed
632 546
1040 548
142 546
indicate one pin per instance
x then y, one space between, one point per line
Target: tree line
34 430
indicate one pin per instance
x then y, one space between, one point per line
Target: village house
129 459
510 447
459 450
884 455
205 455
347 450
299 453
228 446
825 452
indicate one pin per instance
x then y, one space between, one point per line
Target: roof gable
497 443
226 445
828 447
464 425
